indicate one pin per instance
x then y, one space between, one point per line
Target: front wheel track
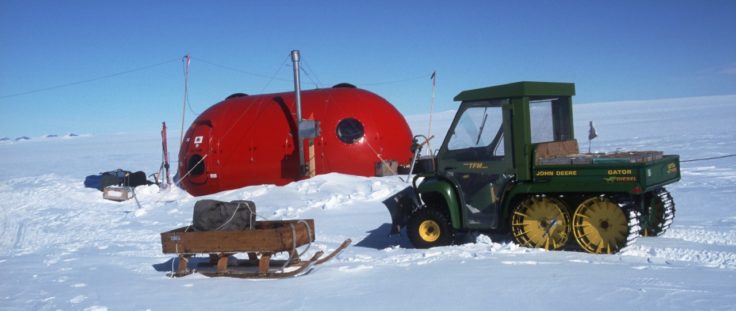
541 222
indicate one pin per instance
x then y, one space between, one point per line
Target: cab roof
518 89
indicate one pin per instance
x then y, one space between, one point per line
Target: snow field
63 247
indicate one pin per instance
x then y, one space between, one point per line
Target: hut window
196 165
350 130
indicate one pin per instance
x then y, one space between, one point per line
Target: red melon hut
250 140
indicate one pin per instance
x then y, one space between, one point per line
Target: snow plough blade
260 244
400 205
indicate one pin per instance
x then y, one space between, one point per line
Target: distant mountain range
24 138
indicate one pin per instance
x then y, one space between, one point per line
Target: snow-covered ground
63 247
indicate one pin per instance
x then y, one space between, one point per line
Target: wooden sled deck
260 243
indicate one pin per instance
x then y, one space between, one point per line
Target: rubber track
629 207
669 209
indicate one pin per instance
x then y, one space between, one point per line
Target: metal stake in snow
297 93
165 183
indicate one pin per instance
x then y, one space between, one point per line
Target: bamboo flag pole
431 107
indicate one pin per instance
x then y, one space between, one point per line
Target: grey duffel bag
213 215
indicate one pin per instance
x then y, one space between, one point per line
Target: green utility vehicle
510 163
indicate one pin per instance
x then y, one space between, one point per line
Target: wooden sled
260 243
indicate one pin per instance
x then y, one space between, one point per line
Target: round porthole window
350 130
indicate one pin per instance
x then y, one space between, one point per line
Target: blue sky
111 66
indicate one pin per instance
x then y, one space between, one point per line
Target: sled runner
260 244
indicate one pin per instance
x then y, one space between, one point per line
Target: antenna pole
186 60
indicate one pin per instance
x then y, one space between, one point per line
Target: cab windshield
479 131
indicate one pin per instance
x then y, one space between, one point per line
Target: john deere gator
510 163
